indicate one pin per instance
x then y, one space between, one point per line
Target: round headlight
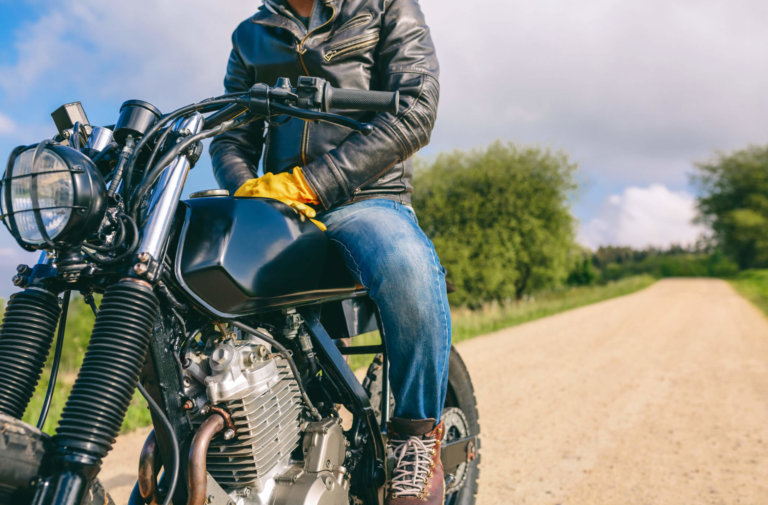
52 196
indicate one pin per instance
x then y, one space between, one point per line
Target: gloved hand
291 188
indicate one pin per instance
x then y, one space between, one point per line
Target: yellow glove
290 188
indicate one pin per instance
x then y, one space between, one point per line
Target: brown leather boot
417 478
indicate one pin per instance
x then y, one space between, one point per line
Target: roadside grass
753 285
466 324
60 394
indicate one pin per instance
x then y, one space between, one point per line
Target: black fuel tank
239 256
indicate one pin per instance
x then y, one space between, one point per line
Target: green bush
615 263
583 274
499 219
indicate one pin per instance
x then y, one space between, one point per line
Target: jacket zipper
304 138
357 20
300 46
349 46
300 50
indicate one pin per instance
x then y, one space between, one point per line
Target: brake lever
328 117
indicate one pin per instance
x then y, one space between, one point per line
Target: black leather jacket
362 44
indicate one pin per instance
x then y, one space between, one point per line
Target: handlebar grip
359 99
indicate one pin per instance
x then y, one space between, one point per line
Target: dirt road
660 397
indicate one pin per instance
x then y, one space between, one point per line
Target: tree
499 219
733 200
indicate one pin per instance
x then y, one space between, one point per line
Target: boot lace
413 464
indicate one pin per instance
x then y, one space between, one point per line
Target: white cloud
7 125
12 255
167 53
8 254
634 91
643 216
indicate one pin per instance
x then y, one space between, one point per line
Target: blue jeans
387 252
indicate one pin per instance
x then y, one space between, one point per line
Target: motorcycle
232 316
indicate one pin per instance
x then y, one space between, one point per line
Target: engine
257 461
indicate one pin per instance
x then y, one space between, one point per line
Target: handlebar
227 113
310 100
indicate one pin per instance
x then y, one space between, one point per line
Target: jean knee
408 269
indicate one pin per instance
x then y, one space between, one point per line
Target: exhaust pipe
197 482
149 463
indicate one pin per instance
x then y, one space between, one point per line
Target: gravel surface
660 397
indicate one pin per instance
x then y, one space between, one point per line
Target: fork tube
165 199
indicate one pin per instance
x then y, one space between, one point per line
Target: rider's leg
389 254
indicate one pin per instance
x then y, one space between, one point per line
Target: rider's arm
406 62
235 154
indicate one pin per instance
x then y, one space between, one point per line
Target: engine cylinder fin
268 426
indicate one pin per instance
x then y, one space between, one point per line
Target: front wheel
22 447
460 417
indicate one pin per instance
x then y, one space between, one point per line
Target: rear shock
25 339
99 400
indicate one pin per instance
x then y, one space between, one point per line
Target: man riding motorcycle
359 187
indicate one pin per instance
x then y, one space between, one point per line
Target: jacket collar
274 13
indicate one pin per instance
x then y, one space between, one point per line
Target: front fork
25 339
107 379
99 400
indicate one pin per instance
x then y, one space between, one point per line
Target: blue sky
634 92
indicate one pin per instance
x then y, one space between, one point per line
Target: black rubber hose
154 172
99 400
56 361
25 339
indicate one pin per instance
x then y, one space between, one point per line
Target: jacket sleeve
235 154
406 62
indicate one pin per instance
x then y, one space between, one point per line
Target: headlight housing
52 196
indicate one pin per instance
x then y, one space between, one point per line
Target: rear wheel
460 418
